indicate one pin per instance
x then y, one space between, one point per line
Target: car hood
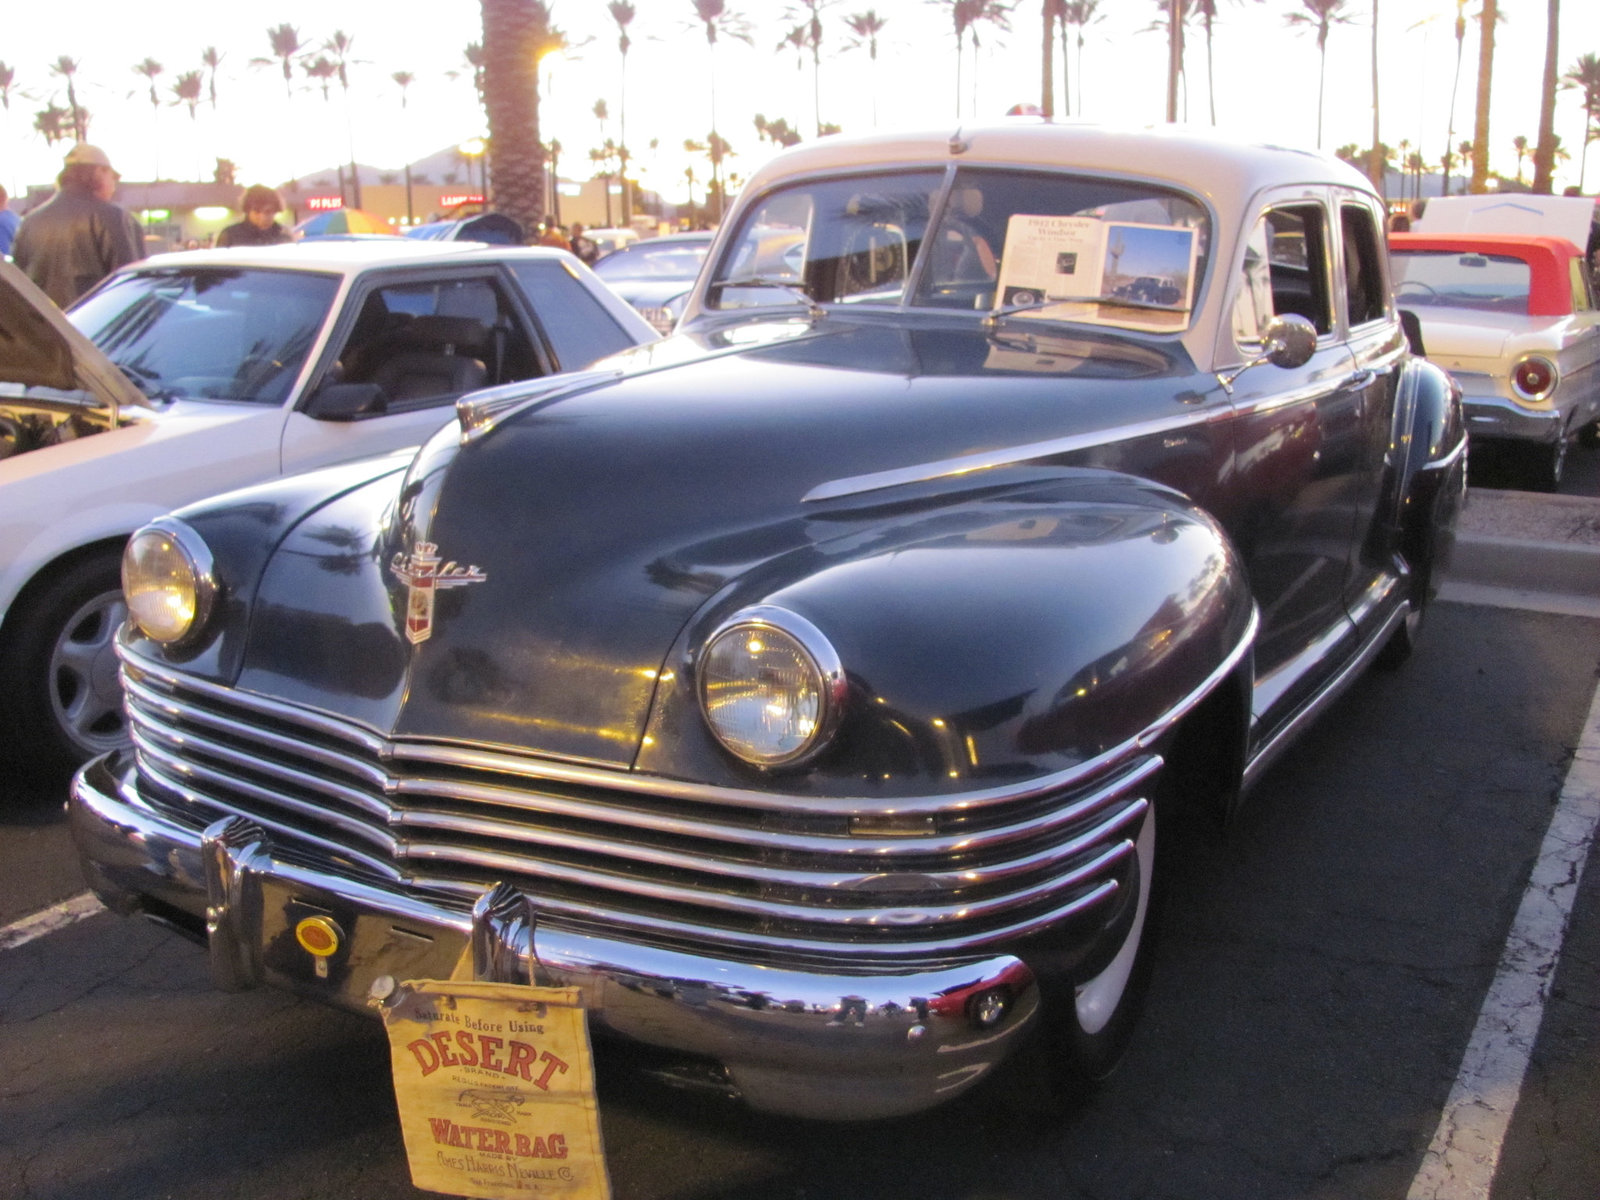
40 348
584 532
650 291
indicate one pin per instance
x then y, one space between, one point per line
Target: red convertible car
1515 320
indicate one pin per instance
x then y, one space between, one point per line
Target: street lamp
476 148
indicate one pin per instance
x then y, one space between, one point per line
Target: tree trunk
1047 58
1480 130
511 101
1174 56
1375 163
1544 154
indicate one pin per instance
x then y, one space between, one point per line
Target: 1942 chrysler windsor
807 687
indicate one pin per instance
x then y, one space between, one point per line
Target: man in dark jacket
260 205
78 237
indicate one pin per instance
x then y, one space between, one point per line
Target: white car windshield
1036 243
223 333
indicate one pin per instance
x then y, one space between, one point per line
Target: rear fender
994 639
1428 474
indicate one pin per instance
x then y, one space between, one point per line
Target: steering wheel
1417 285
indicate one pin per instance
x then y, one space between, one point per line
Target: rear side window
580 329
1363 266
1582 293
1285 271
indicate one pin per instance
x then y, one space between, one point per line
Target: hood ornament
424 573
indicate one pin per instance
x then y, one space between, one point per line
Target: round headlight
167 581
771 687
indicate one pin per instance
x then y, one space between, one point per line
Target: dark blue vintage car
807 687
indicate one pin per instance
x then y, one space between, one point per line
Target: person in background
261 206
582 246
8 223
78 237
550 235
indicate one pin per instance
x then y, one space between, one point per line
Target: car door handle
1361 379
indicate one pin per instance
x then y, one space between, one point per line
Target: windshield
222 333
673 260
1037 243
1491 282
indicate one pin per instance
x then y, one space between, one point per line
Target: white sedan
201 372
1515 320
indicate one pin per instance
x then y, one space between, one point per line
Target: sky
1266 81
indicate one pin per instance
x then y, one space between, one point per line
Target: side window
1285 270
1363 265
580 329
428 342
1582 297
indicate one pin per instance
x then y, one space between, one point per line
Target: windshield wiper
783 285
147 381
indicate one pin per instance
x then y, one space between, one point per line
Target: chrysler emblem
424 574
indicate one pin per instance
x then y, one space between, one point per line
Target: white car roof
349 256
1226 171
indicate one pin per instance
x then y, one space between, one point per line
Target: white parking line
1461 1162
59 916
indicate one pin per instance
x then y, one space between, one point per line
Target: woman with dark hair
261 206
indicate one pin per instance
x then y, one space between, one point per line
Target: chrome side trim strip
1007 456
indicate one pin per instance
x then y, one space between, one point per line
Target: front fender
996 639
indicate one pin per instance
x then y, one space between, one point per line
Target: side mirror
1291 340
1413 331
347 401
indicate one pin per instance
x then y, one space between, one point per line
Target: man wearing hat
77 237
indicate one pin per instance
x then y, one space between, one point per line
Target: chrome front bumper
802 1043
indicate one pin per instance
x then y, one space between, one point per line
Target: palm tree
54 124
1584 74
1079 14
188 90
1545 151
150 68
66 68
1455 85
965 17
513 30
1049 16
340 46
866 28
1465 154
809 15
8 76
622 14
717 21
211 60
286 46
403 80
1321 15
1480 128
1376 168
1520 144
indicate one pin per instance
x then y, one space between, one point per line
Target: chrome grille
777 877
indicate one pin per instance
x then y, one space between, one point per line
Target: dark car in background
655 274
807 687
